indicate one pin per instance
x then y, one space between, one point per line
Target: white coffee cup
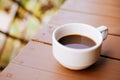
77 59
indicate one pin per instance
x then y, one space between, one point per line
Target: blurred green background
19 21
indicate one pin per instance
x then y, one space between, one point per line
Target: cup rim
75 49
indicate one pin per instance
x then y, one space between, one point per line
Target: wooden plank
17 72
45 33
69 17
110 8
39 57
111 47
36 61
64 16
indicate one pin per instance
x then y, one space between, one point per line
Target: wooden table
36 61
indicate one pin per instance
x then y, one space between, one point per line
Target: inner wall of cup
81 29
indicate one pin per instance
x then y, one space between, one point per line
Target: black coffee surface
77 41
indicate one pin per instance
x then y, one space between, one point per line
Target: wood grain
107 8
63 17
37 62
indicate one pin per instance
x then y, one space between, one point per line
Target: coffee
77 41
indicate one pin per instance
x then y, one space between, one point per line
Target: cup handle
104 31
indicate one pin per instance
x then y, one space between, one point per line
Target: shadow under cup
72 58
